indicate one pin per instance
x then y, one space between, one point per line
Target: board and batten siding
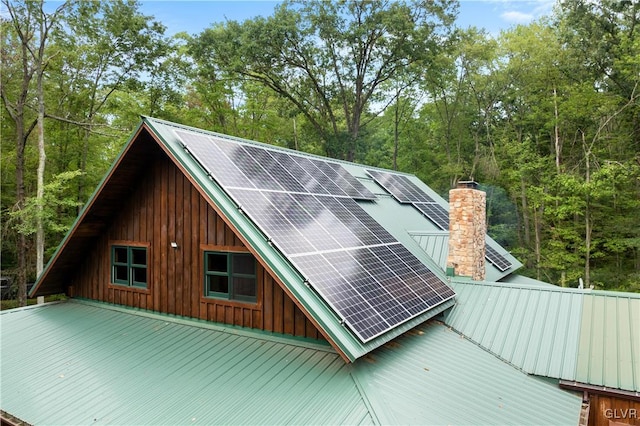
164 207
607 410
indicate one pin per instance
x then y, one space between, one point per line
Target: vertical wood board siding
164 207
612 411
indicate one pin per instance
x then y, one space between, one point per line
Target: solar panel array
498 260
435 213
238 165
406 192
307 208
400 187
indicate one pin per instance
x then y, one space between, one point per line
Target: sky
194 16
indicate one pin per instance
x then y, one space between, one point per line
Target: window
230 276
129 266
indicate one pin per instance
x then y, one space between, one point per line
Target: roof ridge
266 145
552 288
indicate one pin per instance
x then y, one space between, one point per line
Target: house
219 280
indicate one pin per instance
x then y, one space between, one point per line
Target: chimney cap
467 184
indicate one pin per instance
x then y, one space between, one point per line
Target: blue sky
193 16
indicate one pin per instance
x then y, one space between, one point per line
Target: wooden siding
612 411
163 207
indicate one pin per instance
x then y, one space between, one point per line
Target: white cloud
544 7
516 17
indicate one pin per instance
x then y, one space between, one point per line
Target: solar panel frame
498 260
435 213
379 280
213 160
400 187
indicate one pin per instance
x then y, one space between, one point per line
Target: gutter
600 390
7 419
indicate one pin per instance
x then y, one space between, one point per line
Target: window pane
216 262
218 284
121 273
244 287
139 256
140 275
244 264
120 255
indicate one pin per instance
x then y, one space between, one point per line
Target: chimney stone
467 230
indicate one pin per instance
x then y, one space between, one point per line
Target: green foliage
56 201
546 116
328 59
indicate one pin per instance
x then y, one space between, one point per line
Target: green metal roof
587 336
434 376
89 363
609 345
85 363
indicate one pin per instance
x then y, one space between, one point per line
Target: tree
31 27
109 46
329 59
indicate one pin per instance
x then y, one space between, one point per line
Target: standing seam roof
587 336
80 362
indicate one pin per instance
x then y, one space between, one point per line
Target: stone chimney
467 229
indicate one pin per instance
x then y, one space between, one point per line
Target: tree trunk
40 178
537 216
83 166
587 217
396 132
557 142
22 240
525 213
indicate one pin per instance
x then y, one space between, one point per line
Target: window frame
230 275
130 265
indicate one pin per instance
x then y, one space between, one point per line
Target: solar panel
303 176
400 187
237 165
325 182
383 286
498 260
435 213
350 214
307 209
211 158
271 219
347 182
248 164
325 223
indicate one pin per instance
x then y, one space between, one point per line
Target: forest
545 116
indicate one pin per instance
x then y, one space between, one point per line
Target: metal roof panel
81 362
434 373
587 336
609 341
534 328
